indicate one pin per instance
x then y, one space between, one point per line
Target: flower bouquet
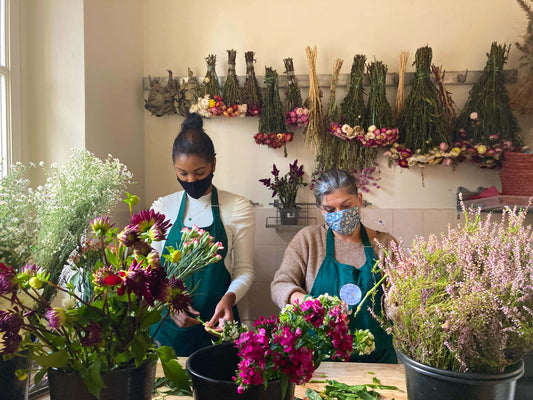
463 302
378 137
297 117
111 330
286 187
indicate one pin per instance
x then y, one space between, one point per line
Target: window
5 88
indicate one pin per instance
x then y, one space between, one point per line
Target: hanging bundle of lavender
421 122
231 93
378 111
188 93
251 91
211 84
487 111
353 105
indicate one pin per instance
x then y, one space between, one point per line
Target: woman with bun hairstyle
229 218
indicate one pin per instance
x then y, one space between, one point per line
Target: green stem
371 291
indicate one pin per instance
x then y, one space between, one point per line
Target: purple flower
129 236
158 284
181 298
92 335
135 281
101 225
56 317
8 279
146 219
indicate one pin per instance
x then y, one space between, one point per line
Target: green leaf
174 372
93 378
150 318
312 394
139 347
56 359
111 257
39 375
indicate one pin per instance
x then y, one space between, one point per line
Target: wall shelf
490 204
324 80
304 219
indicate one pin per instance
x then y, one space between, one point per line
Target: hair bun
192 121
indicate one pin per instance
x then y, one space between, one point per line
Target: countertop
349 373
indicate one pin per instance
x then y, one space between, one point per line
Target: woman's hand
296 297
186 319
223 311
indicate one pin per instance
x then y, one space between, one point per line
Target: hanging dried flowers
488 98
211 85
315 130
400 93
296 114
378 111
421 123
445 97
251 92
160 99
522 95
188 93
231 92
272 127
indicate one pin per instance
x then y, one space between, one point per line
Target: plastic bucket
212 369
424 383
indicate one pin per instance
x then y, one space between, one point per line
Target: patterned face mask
343 222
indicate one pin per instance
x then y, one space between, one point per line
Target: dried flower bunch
464 301
251 92
296 115
211 83
489 99
161 99
286 187
130 287
231 92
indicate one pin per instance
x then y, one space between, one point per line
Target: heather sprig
464 301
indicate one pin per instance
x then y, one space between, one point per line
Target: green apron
348 282
212 283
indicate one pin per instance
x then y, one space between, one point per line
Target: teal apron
334 278
212 283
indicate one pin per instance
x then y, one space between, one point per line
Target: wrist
230 297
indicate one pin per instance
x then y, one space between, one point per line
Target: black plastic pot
122 384
424 382
12 387
289 216
212 369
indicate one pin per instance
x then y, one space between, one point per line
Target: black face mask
197 188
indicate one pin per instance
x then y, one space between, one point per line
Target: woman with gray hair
337 258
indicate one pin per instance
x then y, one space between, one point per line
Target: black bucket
11 386
212 369
128 383
424 382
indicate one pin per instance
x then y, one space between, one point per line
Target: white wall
179 35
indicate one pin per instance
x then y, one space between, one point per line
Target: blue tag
350 294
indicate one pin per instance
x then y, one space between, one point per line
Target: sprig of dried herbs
294 95
188 94
445 97
160 99
211 86
251 90
353 105
315 130
421 122
489 99
231 93
378 111
272 117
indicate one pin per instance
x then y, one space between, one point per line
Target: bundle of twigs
211 84
489 99
400 93
332 112
315 130
353 105
160 99
445 97
231 93
522 95
421 123
251 91
378 111
294 95
188 93
272 119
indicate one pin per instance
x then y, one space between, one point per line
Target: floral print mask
343 222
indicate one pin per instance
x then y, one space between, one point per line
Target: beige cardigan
304 255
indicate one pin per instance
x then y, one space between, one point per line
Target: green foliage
231 92
272 119
421 123
211 86
294 95
489 99
378 111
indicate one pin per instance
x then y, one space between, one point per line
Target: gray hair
332 180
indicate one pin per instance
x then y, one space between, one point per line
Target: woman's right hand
186 319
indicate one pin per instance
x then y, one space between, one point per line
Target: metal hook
461 78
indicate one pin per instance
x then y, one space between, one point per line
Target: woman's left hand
223 311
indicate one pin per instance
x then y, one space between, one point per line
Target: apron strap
330 244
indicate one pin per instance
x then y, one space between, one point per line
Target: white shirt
237 215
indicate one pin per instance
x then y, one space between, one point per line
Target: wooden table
349 373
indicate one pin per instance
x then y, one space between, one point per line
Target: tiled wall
270 243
